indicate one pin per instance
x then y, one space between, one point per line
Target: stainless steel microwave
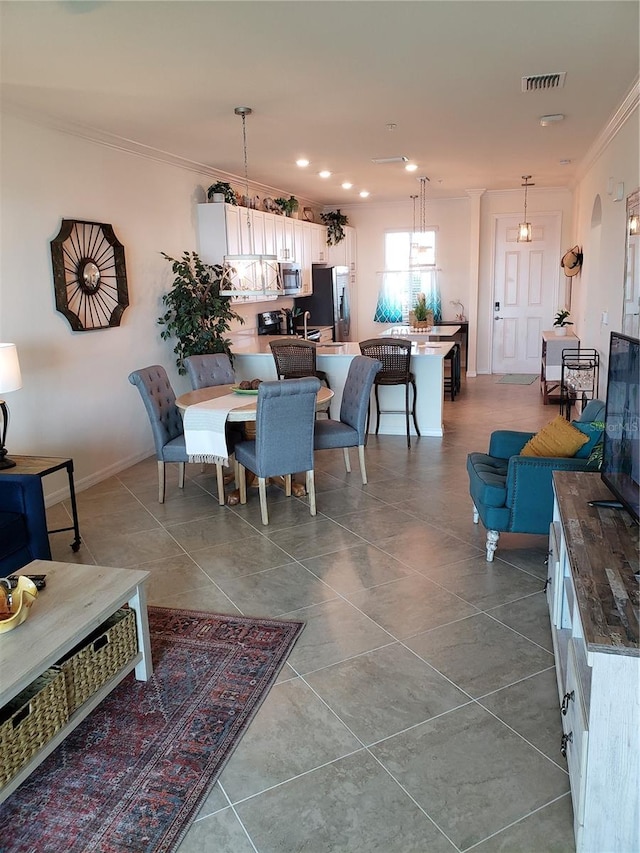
291 275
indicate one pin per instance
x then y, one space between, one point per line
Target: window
402 282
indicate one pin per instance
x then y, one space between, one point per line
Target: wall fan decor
89 275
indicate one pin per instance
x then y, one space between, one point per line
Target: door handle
498 318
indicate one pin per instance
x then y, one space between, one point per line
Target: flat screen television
620 469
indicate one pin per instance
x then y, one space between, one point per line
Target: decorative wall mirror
89 275
631 305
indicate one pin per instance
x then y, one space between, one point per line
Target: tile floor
418 710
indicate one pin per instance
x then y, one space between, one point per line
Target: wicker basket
99 657
30 720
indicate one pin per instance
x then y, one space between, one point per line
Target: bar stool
452 381
395 356
296 359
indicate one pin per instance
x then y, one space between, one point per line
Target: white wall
599 287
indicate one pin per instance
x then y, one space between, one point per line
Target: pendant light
524 228
420 253
248 275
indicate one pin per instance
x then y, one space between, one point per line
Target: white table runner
204 429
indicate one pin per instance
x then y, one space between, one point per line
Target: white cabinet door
270 241
307 254
344 253
233 230
285 238
319 248
258 233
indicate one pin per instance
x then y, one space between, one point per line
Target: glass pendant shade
248 275
524 228
524 232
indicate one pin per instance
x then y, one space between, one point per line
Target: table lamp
10 380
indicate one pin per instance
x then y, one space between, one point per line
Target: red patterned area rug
132 776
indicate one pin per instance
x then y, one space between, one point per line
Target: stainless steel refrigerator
329 304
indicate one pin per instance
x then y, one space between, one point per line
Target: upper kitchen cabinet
220 232
344 253
285 239
319 248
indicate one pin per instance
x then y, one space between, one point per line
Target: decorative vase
561 331
218 198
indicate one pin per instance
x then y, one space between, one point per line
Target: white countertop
248 343
409 331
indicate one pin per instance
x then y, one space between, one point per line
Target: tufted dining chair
210 369
351 429
283 445
395 355
166 421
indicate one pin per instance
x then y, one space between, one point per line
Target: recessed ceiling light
364 194
347 185
565 162
324 174
302 163
411 167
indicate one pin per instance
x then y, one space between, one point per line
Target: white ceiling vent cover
537 82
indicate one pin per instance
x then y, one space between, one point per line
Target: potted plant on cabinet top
560 322
221 192
197 315
334 220
288 206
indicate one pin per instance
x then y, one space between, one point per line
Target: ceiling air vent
537 82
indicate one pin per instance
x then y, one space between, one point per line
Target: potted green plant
221 192
334 220
288 206
560 322
197 315
421 317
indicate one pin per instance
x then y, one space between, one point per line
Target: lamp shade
10 378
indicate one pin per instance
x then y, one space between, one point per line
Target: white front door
525 292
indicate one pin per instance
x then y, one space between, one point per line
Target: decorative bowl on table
15 603
247 386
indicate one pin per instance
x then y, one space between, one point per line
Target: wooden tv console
593 603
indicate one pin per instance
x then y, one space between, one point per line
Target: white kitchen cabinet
285 239
319 248
344 253
593 604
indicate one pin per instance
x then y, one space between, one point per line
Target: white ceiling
325 78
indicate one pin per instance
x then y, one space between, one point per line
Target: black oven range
279 323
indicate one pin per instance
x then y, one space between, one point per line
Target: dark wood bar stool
452 381
395 356
296 359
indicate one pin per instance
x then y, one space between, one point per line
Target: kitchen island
252 359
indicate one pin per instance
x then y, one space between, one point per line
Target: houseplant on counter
334 220
560 322
222 188
288 206
421 317
197 315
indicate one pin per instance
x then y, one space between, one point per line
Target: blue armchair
23 523
513 493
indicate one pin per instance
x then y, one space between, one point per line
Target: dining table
243 408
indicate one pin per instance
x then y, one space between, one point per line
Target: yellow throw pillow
558 438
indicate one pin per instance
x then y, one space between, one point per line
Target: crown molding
138 149
609 131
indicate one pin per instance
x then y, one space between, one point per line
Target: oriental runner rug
133 775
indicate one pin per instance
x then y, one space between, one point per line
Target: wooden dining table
245 412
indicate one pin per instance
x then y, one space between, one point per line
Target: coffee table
76 600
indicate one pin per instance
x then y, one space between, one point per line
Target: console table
593 603
76 600
41 466
551 361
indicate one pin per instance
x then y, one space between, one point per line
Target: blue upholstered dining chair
285 418
166 421
351 429
23 522
206 371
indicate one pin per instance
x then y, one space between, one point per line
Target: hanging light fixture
524 228
421 251
247 275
